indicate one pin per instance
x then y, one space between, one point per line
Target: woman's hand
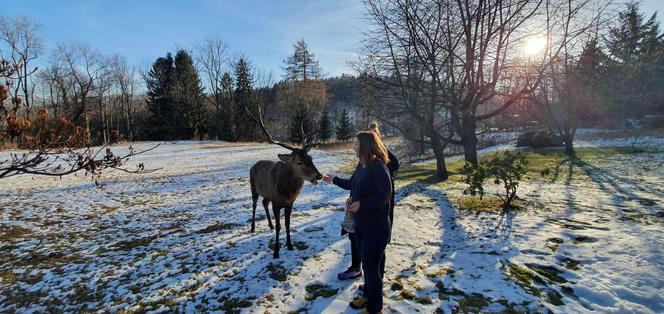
354 207
328 179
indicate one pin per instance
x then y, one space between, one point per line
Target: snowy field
178 240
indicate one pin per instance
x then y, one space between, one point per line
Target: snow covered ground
178 240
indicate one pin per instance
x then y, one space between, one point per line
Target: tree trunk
469 138
569 146
438 151
104 134
569 141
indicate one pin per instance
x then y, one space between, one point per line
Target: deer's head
299 159
302 165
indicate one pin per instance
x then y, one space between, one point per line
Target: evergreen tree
302 65
633 38
635 71
344 129
300 121
227 107
159 81
325 127
245 128
188 98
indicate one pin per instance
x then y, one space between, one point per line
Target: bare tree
126 78
569 93
20 35
53 145
212 57
103 83
446 64
83 65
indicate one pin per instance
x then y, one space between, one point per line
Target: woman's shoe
350 273
359 303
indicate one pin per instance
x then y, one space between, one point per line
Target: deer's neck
288 183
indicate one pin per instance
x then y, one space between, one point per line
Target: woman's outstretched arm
343 183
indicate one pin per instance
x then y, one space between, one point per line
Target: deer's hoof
290 247
275 255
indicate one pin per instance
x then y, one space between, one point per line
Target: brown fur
279 183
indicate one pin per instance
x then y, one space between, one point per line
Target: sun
534 45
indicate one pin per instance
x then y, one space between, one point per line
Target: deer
280 182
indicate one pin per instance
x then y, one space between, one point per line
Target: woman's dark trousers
371 244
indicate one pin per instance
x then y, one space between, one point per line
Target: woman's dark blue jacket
372 187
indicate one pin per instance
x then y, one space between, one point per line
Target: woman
371 191
354 270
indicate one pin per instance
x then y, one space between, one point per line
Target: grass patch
347 167
217 227
9 233
130 244
407 294
584 239
300 246
319 290
424 300
471 304
546 163
235 305
554 298
570 263
8 277
277 272
397 284
442 271
524 277
554 243
551 273
489 203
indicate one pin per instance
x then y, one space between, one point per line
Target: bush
538 139
506 169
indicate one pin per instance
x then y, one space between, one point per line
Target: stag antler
306 137
262 125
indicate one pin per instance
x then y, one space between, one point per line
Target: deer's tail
254 192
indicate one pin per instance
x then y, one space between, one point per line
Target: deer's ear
284 157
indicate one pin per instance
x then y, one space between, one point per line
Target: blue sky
142 30
263 31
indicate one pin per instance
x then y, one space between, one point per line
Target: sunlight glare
534 45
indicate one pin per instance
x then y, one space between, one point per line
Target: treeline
196 93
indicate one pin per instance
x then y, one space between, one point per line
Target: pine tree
159 83
188 98
300 121
302 65
245 129
227 108
634 75
344 129
325 129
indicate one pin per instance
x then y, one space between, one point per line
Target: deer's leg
287 218
254 198
253 215
276 210
266 203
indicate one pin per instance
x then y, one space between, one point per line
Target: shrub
538 139
505 169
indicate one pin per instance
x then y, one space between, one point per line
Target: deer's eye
299 162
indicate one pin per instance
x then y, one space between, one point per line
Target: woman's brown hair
371 148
